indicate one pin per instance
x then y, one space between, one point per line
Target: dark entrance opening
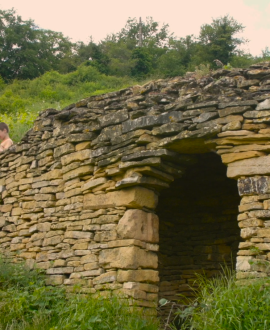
198 226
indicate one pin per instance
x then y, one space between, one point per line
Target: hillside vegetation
22 100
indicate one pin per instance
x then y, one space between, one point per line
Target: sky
81 19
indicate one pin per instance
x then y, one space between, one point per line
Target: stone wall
79 193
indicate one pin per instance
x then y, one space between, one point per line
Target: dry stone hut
136 191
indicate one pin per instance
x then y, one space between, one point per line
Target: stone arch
79 192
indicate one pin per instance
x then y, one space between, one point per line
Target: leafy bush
226 304
26 303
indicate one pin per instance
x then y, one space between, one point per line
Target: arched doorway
198 226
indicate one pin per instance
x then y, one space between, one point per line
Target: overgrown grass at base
224 303
27 304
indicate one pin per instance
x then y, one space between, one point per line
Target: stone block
63 150
242 263
80 155
5 208
55 280
251 223
78 235
107 277
141 275
78 172
83 146
131 257
60 270
265 105
93 183
136 197
91 266
233 110
232 157
51 175
140 225
254 185
248 232
141 286
89 258
265 232
52 240
249 167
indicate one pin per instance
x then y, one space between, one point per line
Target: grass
22 100
223 304
26 303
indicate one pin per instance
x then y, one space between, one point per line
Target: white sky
84 18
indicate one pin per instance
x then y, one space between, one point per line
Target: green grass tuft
26 303
224 304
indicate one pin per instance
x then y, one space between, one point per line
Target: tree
27 51
126 57
219 40
152 33
143 62
94 55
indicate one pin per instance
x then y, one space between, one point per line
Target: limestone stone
249 167
137 224
107 277
252 222
232 157
127 258
233 110
91 266
52 240
78 172
249 232
136 197
253 185
54 174
142 275
141 286
265 105
242 263
256 114
232 126
88 258
261 214
79 155
60 270
83 146
5 208
93 183
250 206
78 235
63 150
265 232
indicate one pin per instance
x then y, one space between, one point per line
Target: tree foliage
27 51
219 39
